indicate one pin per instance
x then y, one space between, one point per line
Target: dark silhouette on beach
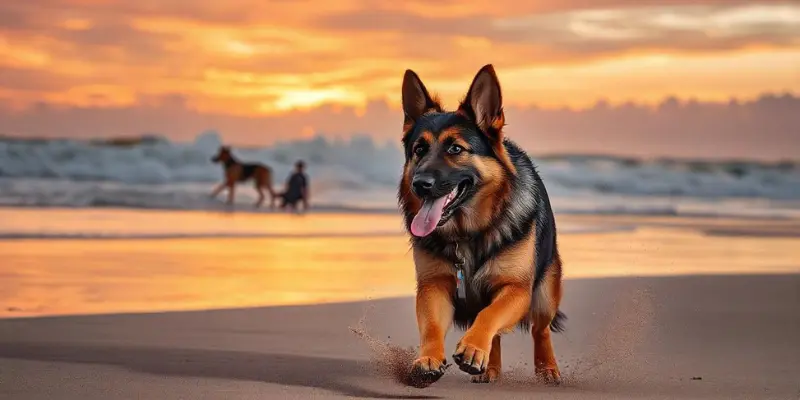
296 188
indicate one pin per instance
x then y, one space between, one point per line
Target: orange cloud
248 57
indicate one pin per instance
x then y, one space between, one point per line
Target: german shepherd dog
483 235
237 172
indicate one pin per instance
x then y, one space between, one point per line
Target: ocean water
359 175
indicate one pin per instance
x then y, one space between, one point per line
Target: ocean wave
194 197
156 160
154 172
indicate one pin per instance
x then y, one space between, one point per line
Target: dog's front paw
549 375
425 371
472 357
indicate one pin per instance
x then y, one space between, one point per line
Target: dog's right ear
416 99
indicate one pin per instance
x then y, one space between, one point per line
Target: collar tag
461 288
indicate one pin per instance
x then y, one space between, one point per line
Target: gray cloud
764 129
34 80
585 33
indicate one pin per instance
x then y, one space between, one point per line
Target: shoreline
328 209
137 224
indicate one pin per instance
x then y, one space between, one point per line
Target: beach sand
658 308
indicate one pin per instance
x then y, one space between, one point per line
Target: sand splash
389 360
611 356
612 346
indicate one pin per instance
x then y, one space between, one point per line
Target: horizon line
133 140
182 101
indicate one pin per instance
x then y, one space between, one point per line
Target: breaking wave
359 174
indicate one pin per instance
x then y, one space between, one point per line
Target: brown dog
238 172
483 234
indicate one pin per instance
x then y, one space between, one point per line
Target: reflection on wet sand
44 277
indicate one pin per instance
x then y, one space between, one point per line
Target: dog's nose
423 184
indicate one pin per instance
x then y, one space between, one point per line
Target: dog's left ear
484 103
416 99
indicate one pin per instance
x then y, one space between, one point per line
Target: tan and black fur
500 226
238 172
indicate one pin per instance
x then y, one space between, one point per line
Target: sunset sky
251 59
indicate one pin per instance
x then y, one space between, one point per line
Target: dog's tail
557 324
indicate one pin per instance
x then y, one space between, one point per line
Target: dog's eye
455 149
420 150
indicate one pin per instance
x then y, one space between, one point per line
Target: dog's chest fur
510 240
477 275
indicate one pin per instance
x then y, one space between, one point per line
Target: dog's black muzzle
427 186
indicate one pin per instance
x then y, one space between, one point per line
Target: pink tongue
428 217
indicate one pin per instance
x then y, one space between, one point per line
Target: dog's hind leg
217 189
231 194
260 191
546 300
544 358
263 181
267 184
258 183
494 368
272 196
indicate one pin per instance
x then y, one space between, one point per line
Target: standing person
296 188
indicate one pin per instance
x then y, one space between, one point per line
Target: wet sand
665 309
671 337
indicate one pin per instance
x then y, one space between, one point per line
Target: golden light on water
333 259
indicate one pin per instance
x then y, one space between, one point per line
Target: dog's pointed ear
484 103
416 99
